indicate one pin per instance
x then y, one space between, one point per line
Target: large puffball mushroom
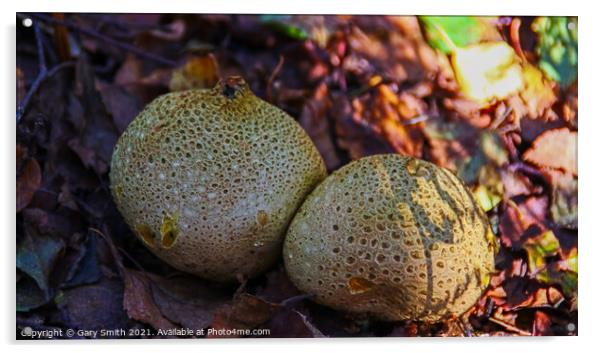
393 237
209 180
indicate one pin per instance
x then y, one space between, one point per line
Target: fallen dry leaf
487 71
519 222
28 181
197 72
187 301
564 205
138 301
315 121
246 312
555 149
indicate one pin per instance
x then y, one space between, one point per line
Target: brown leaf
542 298
314 330
21 92
314 120
96 133
353 134
287 324
555 149
541 324
28 181
563 207
187 300
138 301
515 184
94 307
246 312
523 220
122 105
278 287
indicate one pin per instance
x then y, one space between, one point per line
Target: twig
509 142
509 327
129 257
113 250
275 73
521 166
243 280
42 71
515 37
111 41
417 119
296 299
314 330
465 327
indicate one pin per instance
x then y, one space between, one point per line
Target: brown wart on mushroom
210 179
394 237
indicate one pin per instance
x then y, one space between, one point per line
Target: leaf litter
359 85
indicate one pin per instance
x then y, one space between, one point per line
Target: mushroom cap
393 237
210 179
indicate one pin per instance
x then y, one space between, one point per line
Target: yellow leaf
538 248
487 71
197 72
538 93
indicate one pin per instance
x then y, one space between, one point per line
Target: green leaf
566 279
557 48
486 198
35 260
562 272
283 25
538 248
446 32
36 257
493 147
460 30
490 151
29 295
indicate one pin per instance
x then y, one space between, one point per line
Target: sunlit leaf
563 273
555 149
487 71
486 198
569 262
566 279
493 148
538 93
538 248
523 219
461 30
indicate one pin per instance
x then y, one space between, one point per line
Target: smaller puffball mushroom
393 237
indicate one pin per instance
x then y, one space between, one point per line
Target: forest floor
359 86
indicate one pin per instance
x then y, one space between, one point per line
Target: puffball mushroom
393 237
209 180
